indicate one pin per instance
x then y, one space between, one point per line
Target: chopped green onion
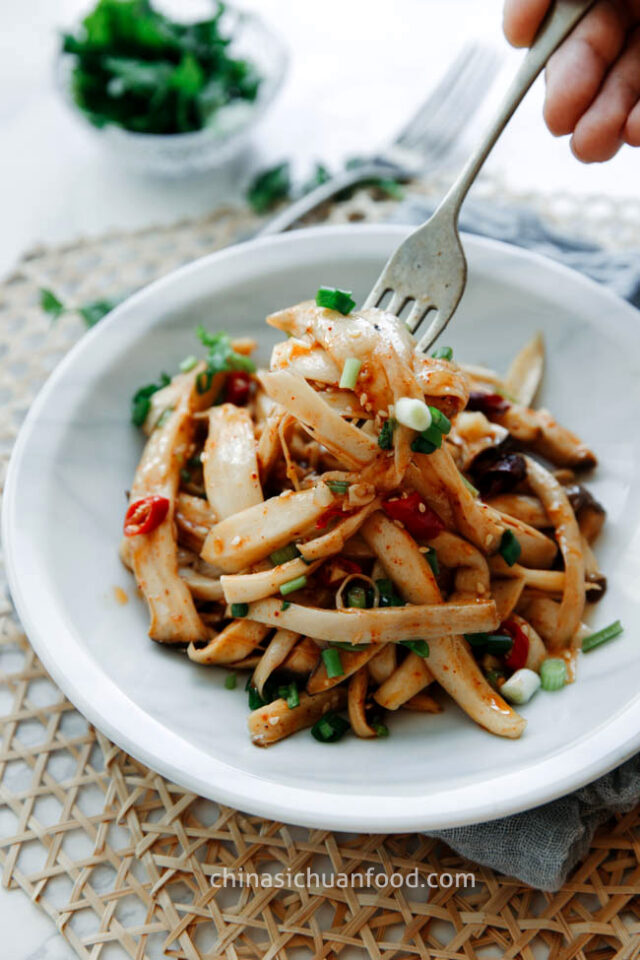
381 729
185 476
494 677
290 693
292 585
420 445
284 554
432 560
255 700
443 353
439 420
602 636
204 381
164 416
428 441
553 674
510 548
239 609
433 434
231 681
338 486
499 644
413 413
521 686
188 364
421 647
350 373
357 597
388 596
470 487
333 663
329 728
476 639
496 643
334 299
385 437
285 605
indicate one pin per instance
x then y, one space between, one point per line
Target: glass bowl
185 154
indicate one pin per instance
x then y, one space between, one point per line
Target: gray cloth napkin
543 845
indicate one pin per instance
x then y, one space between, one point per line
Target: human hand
593 79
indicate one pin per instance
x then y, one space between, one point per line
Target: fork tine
458 87
440 92
417 314
439 136
438 130
376 295
433 331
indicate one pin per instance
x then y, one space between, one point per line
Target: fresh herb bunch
138 69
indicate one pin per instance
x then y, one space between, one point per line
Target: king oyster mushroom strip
362 528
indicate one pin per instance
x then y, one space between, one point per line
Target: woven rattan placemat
122 860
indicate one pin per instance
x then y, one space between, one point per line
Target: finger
632 128
521 19
600 132
576 71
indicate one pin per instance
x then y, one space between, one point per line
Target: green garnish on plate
136 68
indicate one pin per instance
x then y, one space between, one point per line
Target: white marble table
354 78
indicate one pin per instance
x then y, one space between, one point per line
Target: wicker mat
122 860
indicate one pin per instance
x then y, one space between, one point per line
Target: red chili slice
333 511
145 515
420 520
517 656
237 388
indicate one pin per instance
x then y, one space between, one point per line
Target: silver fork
427 139
428 271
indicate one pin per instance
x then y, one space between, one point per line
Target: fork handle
560 21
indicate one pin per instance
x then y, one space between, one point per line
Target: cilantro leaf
222 356
141 400
92 312
269 187
50 303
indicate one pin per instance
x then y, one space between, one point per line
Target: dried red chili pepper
419 519
237 388
487 403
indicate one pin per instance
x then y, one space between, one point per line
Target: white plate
65 500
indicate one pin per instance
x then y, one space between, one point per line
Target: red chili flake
335 510
237 388
517 656
487 403
145 515
420 520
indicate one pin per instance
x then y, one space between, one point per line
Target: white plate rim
141 735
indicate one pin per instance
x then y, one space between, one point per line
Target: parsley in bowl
169 96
